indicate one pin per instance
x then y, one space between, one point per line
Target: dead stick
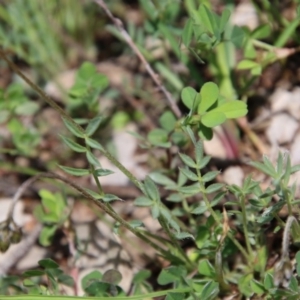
118 23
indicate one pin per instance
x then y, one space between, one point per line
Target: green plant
199 208
14 105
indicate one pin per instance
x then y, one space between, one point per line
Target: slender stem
263 45
245 227
117 22
107 209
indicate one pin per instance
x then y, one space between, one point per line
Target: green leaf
213 119
143 201
29 283
136 223
203 234
209 95
101 289
295 169
171 77
75 171
90 277
218 197
210 291
161 179
159 137
202 208
268 281
261 32
167 121
199 151
103 172
246 64
141 276
233 109
74 146
188 97
73 128
188 161
92 159
155 212
28 108
175 296
190 189
168 35
187 32
205 268
93 193
47 234
66 280
257 287
86 71
33 273
93 125
256 71
175 198
110 197
189 174
150 9
237 36
151 189
207 18
263 168
213 188
184 235
210 176
171 274
48 263
224 19
94 144
205 133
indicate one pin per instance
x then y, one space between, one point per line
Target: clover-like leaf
209 95
213 118
188 97
233 109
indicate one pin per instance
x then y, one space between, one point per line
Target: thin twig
118 23
100 204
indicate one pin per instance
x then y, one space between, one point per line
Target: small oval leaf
93 125
188 97
75 171
209 95
103 172
110 197
213 119
74 146
94 144
74 128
